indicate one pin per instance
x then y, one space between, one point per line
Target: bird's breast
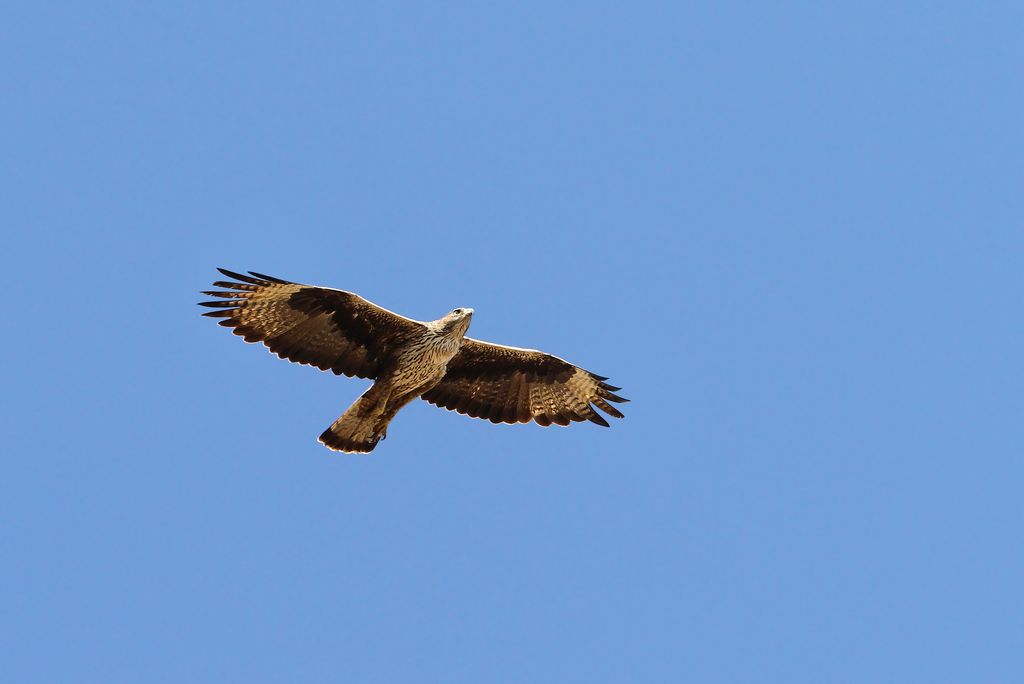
424 360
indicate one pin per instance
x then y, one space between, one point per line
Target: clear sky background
792 233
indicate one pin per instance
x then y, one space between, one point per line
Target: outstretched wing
510 385
330 329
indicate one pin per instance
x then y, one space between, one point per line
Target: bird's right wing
511 385
331 329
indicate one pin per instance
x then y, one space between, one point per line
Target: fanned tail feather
354 432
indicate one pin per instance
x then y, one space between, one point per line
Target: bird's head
457 321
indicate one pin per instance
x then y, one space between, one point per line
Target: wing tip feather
272 279
253 279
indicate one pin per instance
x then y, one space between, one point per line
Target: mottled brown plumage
344 333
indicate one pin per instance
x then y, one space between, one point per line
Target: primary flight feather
342 332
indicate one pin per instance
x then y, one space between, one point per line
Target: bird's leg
398 400
394 403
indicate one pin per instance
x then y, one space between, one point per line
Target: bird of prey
342 332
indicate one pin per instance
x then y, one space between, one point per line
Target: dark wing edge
329 329
511 385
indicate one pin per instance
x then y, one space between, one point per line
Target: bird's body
419 364
342 332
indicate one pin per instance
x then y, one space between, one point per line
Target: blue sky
792 233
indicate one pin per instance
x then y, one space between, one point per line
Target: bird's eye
457 312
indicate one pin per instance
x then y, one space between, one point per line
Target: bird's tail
357 431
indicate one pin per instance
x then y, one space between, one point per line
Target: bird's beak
469 312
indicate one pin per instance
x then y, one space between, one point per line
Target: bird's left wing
511 385
330 329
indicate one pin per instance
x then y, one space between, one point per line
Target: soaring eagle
344 333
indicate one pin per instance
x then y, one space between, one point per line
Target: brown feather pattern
510 385
329 329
